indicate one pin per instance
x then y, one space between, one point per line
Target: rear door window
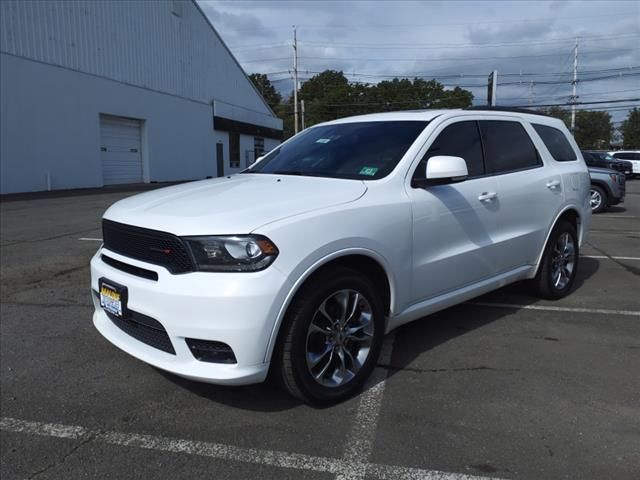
460 139
556 142
507 147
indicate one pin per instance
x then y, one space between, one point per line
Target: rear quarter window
556 142
627 156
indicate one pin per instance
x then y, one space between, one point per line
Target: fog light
211 351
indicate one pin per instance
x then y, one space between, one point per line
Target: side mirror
443 169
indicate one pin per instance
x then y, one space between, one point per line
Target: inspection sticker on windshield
323 140
368 171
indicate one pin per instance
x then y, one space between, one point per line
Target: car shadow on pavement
261 397
520 293
412 340
416 338
616 209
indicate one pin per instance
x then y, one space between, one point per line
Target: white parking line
556 309
604 257
271 458
85 239
360 441
614 232
623 217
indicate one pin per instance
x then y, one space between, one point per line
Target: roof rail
507 109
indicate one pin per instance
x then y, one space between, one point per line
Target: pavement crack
52 237
46 305
61 273
632 270
63 458
441 370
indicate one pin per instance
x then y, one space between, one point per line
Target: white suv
353 227
631 156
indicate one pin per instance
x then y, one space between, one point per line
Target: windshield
363 150
603 156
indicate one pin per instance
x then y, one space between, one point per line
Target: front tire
557 271
331 337
598 199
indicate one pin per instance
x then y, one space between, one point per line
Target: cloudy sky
458 43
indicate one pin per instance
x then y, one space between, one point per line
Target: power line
622 100
476 75
474 22
430 46
455 59
433 59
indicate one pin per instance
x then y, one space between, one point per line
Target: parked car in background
608 187
606 160
632 156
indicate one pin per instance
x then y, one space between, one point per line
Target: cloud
441 38
237 26
533 31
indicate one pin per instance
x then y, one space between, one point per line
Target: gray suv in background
607 186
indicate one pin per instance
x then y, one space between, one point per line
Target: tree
631 129
266 88
329 96
559 112
593 129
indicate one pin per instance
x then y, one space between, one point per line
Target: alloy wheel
339 338
563 261
596 199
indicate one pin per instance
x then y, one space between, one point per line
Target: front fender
302 273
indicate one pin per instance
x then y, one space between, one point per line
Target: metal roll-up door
120 150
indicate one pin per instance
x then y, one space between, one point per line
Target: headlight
238 253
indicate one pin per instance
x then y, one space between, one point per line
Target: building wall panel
136 42
50 126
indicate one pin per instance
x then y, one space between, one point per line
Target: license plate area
113 297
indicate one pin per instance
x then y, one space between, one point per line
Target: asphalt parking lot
505 386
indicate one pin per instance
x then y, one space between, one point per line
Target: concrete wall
50 124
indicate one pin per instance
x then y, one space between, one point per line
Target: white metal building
106 92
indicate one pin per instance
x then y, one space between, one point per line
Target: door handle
487 196
553 184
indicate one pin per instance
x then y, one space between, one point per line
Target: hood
232 205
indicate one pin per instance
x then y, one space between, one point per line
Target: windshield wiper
289 172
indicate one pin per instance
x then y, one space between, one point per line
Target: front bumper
239 309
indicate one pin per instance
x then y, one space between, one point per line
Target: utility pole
492 88
574 98
295 81
302 112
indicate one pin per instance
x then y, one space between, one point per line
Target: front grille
144 329
152 246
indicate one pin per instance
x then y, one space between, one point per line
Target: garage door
120 150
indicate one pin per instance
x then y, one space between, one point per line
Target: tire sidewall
300 324
559 229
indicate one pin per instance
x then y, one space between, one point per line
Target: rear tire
326 352
559 265
598 199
